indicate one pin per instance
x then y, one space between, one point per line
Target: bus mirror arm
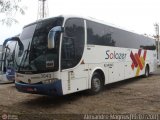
21 47
52 36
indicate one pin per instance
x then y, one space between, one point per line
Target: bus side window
99 34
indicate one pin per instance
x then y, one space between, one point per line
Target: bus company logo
115 55
138 61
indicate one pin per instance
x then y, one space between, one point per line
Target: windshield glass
36 56
0 59
7 57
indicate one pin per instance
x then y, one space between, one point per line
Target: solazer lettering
115 55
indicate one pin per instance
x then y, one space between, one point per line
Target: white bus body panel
95 58
74 80
120 68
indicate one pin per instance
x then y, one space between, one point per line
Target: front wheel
96 84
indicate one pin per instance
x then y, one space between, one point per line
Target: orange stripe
139 61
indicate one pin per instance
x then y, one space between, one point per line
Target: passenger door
73 70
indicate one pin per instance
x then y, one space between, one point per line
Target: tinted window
99 34
40 38
40 55
28 32
125 39
131 40
72 43
147 43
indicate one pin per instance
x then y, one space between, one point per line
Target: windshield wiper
24 58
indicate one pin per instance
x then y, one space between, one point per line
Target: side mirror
52 35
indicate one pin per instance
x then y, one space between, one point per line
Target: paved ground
138 95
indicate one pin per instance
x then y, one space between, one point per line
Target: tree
8 9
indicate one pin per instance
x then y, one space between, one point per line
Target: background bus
7 62
67 54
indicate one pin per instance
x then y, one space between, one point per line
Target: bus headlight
49 81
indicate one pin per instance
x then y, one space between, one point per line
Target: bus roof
90 19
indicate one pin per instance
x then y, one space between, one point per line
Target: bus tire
146 74
96 84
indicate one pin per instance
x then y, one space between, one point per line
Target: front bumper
39 88
4 79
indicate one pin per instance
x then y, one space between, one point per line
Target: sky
134 15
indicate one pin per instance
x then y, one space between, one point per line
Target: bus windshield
1 61
7 56
36 57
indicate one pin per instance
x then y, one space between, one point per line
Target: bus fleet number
45 75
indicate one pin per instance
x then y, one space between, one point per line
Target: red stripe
139 61
139 52
144 55
133 59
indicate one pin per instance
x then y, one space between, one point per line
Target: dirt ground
138 95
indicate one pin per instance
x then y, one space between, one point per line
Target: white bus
67 54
